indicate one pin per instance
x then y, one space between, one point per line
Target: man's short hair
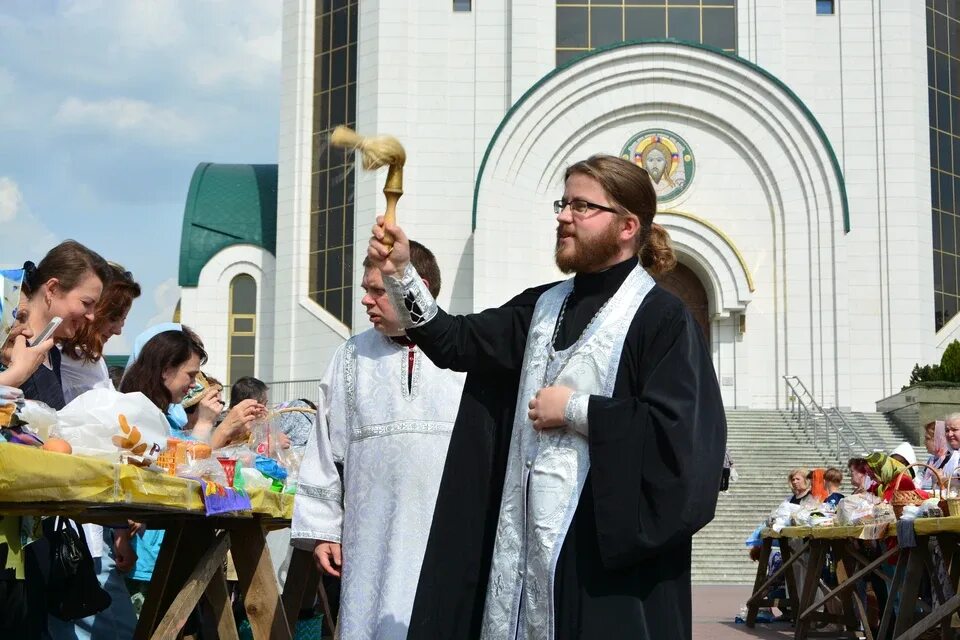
247 388
424 262
833 476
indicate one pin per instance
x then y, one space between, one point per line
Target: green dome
227 204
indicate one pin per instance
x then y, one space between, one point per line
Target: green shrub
948 371
950 362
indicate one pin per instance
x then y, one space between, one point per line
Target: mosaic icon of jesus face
655 161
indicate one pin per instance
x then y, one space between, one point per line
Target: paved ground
715 607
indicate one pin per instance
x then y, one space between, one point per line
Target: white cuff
410 297
576 413
317 514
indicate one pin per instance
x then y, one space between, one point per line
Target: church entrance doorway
684 283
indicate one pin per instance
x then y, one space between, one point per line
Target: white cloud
128 117
11 200
165 298
27 237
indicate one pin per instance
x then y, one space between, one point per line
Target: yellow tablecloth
922 526
28 474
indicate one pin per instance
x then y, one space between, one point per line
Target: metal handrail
827 427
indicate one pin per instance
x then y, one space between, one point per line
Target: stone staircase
765 446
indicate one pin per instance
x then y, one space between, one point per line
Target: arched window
242 327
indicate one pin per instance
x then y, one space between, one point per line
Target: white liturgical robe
385 412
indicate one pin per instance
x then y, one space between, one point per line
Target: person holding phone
66 284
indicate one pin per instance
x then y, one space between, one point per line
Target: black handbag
61 559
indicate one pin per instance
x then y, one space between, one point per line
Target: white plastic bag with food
782 516
104 423
856 509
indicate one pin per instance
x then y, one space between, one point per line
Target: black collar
606 280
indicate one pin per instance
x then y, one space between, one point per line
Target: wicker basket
900 499
953 504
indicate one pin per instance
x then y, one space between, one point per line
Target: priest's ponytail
656 252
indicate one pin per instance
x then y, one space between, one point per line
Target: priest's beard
584 255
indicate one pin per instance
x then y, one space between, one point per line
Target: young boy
833 480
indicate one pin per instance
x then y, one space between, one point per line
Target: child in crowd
833 479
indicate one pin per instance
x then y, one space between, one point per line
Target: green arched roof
227 204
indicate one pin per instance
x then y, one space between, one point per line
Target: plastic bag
883 513
253 479
208 469
92 425
782 516
260 436
857 509
291 461
41 418
822 515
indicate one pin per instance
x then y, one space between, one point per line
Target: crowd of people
878 475
92 297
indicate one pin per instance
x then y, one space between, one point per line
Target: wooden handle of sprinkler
392 191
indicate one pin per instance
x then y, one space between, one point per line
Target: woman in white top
83 368
949 467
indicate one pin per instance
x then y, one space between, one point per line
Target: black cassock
656 456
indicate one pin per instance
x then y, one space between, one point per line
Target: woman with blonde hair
798 484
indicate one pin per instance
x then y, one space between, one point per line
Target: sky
107 107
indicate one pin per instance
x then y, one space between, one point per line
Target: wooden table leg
753 604
790 579
302 580
258 582
218 597
886 621
810 584
180 552
845 568
911 587
188 597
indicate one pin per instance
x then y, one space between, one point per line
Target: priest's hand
390 260
329 560
548 406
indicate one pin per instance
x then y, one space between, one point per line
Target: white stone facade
807 221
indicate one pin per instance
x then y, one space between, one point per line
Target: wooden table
914 566
192 556
803 604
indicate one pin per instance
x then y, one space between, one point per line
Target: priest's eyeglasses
579 208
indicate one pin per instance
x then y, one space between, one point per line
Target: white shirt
77 377
390 427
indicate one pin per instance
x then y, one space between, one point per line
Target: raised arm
491 340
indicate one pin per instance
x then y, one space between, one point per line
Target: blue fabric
834 499
147 548
150 332
117 622
177 417
270 468
906 534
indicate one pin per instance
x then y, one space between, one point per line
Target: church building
766 126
